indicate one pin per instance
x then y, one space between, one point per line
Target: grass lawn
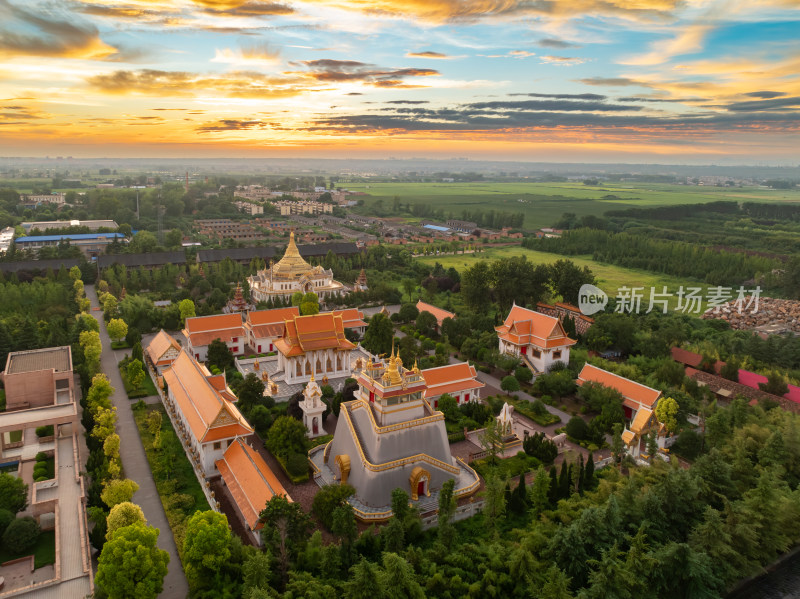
178 487
610 277
544 203
44 552
15 436
146 389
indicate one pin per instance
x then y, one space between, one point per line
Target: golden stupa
292 265
291 274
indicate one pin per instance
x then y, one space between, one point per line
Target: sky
656 81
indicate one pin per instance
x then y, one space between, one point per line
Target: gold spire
292 265
312 378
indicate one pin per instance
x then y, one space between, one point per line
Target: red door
421 488
466 398
524 350
259 348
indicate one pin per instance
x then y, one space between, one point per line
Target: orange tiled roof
202 324
202 330
437 312
160 344
307 333
352 317
628 437
635 394
276 316
450 379
200 402
640 421
250 481
524 326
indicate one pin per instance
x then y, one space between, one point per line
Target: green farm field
609 277
544 203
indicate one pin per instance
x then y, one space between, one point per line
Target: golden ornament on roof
292 265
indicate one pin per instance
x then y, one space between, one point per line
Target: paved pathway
134 462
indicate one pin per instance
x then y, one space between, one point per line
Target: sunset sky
541 80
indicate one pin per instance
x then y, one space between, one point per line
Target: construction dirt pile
772 316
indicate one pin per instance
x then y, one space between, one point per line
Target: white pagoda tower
313 407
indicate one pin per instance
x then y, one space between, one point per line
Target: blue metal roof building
436 228
70 237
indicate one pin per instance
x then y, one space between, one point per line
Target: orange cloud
50 35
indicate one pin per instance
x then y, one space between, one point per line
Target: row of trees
714 266
516 280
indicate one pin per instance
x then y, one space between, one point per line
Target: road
134 462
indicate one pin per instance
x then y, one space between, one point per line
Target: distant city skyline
657 81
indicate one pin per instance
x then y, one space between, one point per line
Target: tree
105 423
566 279
379 335
588 473
538 495
475 286
122 515
364 582
219 355
287 436
398 580
21 534
131 566
616 442
206 546
494 505
447 509
343 525
249 393
118 491
13 493
652 445
117 329
110 306
509 384
187 309
523 374
99 394
666 412
408 312
577 428
491 440
310 304
776 385
135 374
327 499
426 323
286 526
449 407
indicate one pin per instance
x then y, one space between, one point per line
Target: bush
523 374
6 518
297 464
21 534
45 431
539 408
688 444
539 446
577 428
41 456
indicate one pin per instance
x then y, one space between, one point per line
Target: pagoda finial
312 378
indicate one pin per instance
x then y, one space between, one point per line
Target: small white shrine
505 421
313 407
